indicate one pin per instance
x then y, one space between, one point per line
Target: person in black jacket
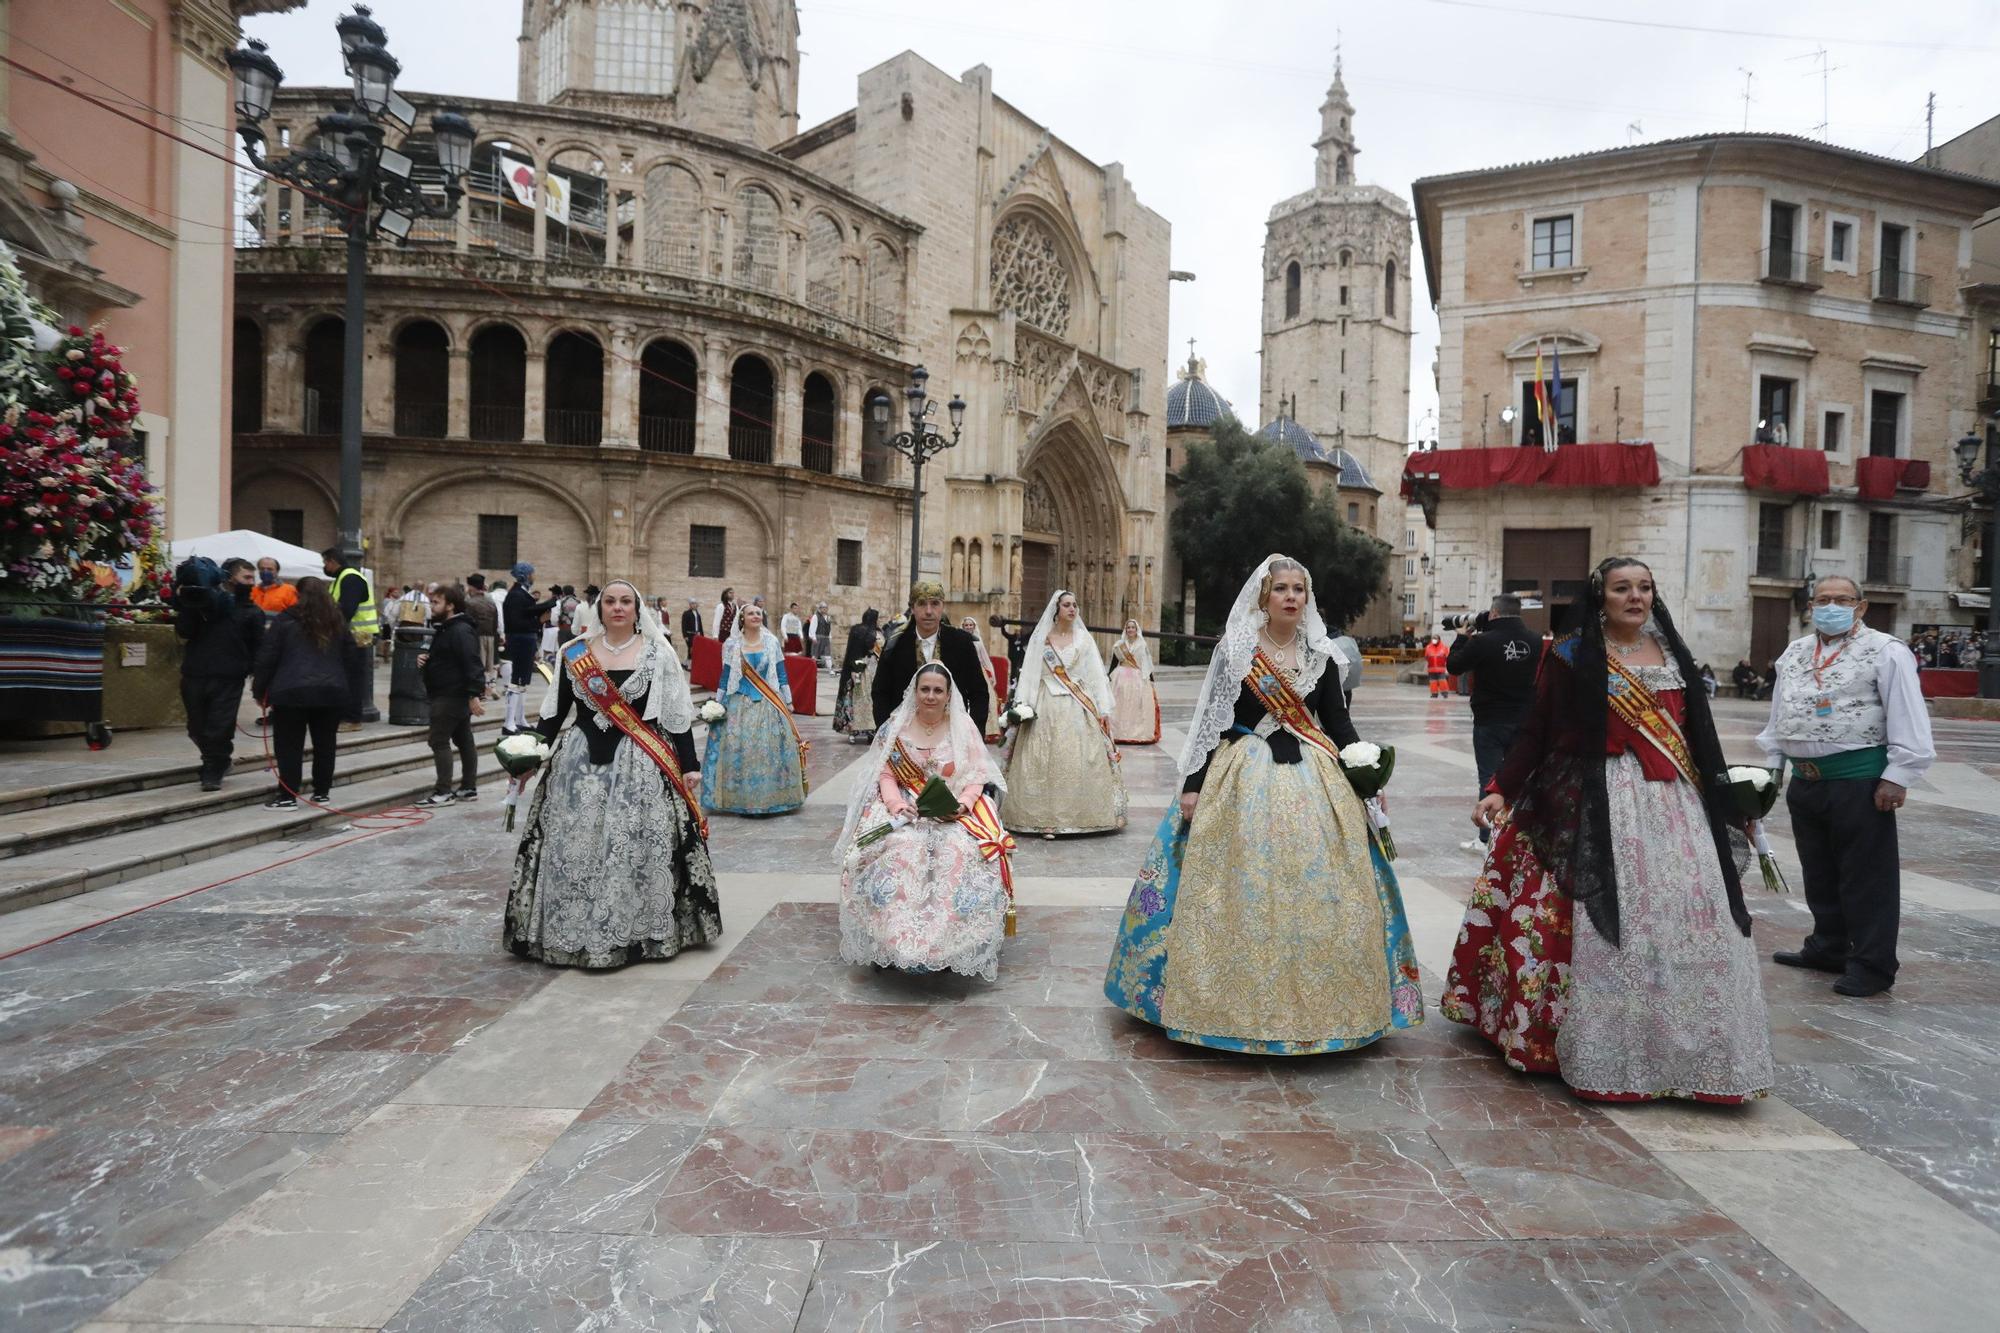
523 633
1501 655
302 678
690 626
924 637
221 627
455 679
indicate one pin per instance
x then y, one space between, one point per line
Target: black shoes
1802 958
281 803
1859 984
465 794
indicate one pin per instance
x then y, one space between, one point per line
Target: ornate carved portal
1070 496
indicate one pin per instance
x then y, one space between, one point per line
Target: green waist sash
1869 763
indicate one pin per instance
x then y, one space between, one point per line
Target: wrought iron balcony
1899 287
422 421
1781 561
816 455
666 435
571 425
1788 268
749 443
496 423
1989 391
1886 569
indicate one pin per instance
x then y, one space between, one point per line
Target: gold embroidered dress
1062 776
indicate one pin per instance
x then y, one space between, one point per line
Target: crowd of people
1606 939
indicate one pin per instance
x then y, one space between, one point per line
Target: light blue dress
751 765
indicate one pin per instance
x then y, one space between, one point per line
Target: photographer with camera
1502 654
220 627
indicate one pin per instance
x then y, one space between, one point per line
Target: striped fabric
51 670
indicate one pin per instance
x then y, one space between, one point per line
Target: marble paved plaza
322 1096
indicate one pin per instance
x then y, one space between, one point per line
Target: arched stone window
750 410
1389 289
820 424
246 380
1340 170
885 287
673 221
1346 258
822 265
755 262
669 379
499 384
423 376
325 368
1029 275
574 390
1292 290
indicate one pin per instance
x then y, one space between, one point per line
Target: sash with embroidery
994 841
1052 663
777 701
1640 710
590 679
1281 701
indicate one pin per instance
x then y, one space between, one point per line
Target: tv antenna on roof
1818 56
1747 99
1634 131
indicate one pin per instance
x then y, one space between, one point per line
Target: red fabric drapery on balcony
1880 478
1574 465
1773 467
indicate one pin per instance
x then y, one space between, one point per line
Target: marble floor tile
295 1091
1114 1096
604 1176
416 1025
181 1020
1769 1124
1576 1183
528 1282
1243 1189
346 1239
1828 1215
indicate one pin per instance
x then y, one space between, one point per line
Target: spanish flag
1544 413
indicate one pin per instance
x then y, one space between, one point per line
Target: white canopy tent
294 562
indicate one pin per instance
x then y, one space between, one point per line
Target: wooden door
1552 565
1038 572
1770 629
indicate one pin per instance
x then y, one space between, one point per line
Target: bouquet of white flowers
1755 791
1016 714
713 712
520 754
1368 768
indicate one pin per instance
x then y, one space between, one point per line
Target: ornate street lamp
368 189
919 444
1986 482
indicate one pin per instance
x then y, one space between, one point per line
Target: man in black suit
924 637
690 623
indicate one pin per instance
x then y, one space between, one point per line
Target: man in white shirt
792 630
1847 712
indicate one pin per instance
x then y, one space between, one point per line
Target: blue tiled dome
1190 402
1304 443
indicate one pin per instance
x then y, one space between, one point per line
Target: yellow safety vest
365 624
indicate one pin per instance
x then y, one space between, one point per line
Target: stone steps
143 823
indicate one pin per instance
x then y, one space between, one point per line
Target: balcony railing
823 296
1989 390
422 421
666 435
1886 569
572 425
879 468
1789 268
1779 562
816 455
1898 287
497 423
886 318
322 414
764 277
683 257
749 444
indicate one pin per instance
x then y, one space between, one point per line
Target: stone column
378 379
853 422
534 419
639 258
791 414
284 381
711 408
458 408
621 408
541 218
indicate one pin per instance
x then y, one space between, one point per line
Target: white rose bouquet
520 754
1368 768
1755 791
1016 714
713 712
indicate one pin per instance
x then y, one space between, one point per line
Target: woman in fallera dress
852 700
1620 810
1135 708
755 762
1265 917
930 895
613 865
993 728
1062 771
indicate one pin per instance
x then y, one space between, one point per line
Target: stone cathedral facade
668 376
1336 335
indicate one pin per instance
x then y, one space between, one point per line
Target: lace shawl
968 750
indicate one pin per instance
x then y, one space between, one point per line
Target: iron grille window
707 551
289 525
499 541
1555 242
847 563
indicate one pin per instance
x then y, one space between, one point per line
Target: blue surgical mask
1833 619
267 577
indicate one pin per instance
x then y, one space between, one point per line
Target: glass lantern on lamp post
920 443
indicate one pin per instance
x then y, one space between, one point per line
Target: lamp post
369 186
1986 482
919 444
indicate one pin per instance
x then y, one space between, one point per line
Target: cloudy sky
1213 106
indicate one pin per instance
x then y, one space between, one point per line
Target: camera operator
1502 655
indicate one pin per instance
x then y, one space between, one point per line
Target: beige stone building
1336 338
647 342
1767 345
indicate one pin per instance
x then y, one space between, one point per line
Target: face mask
266 577
1833 619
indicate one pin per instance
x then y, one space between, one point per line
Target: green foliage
1241 498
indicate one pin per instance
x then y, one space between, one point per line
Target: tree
1242 498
